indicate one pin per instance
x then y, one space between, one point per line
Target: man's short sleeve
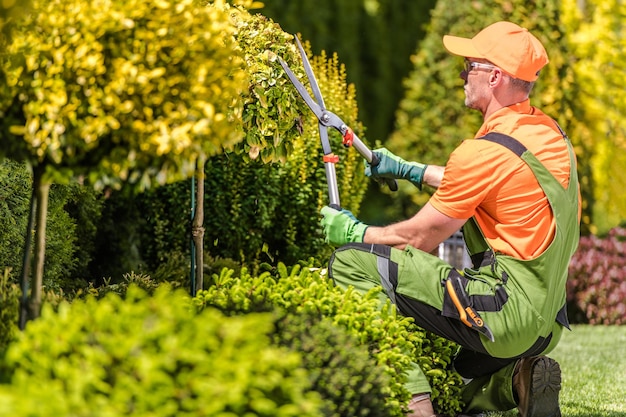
466 181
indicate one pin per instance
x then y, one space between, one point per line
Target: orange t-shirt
488 181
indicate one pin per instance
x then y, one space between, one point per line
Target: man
514 191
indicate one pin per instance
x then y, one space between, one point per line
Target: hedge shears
328 119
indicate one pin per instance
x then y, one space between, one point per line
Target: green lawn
593 366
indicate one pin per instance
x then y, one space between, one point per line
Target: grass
593 366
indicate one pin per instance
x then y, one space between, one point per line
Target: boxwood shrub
338 367
393 340
152 355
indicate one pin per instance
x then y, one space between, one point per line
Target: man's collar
523 107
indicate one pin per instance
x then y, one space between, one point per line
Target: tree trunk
197 226
30 307
34 306
26 258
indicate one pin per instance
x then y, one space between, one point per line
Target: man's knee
359 265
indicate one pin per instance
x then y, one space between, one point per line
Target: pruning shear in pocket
329 119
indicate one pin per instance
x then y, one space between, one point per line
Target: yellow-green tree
116 91
260 210
597 35
12 8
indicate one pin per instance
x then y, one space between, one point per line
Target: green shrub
270 212
9 310
152 356
73 212
339 368
15 184
393 341
145 282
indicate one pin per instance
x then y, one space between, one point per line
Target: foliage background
597 35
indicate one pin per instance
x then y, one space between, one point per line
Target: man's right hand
392 166
341 227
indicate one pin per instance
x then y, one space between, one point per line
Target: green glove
341 227
392 166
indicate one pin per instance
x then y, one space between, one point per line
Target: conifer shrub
393 341
152 355
73 212
596 286
9 305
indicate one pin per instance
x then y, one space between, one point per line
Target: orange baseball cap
508 46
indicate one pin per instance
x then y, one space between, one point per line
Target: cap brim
461 46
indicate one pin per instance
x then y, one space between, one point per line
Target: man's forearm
433 175
423 231
387 235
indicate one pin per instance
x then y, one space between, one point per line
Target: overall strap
542 173
507 141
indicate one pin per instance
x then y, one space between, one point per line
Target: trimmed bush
152 355
339 368
596 288
393 341
331 356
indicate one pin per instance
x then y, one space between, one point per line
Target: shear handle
351 139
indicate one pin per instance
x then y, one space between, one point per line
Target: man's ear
496 77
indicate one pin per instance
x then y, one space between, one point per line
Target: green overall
522 302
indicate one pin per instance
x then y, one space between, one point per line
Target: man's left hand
341 227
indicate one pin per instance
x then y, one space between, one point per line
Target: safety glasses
470 64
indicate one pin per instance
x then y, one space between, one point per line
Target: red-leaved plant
596 288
